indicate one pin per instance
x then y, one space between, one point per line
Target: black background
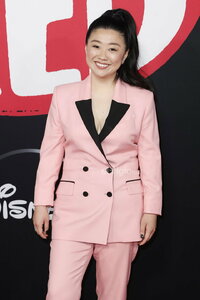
168 267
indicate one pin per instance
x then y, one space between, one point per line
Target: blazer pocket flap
134 186
65 188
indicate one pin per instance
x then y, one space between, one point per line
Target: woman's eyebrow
96 41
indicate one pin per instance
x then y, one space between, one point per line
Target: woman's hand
147 227
41 220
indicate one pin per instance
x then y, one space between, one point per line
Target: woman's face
105 52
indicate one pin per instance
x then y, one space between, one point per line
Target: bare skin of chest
102 94
100 107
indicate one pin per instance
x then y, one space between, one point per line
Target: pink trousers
68 263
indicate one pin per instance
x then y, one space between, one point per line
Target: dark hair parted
122 21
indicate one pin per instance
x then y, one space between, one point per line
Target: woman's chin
101 74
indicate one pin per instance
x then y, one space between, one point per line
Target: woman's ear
125 56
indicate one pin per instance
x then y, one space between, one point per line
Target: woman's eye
113 49
95 46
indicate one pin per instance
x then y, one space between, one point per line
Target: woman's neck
102 84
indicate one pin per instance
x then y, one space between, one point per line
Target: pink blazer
109 179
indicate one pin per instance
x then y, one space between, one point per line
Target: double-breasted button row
108 170
85 194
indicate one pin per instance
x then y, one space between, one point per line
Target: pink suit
109 180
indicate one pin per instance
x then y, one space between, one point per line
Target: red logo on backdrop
64 50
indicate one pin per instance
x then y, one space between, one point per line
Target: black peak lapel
85 110
117 111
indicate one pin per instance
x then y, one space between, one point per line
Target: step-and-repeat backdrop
41 46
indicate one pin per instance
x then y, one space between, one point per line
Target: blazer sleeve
51 156
150 159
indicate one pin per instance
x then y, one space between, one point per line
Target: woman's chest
118 122
100 112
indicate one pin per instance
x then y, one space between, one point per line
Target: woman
104 129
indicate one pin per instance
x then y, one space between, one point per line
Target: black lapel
117 111
85 110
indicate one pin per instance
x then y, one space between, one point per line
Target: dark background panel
167 267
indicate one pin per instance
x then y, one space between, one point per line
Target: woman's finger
41 221
142 228
40 232
151 234
46 225
145 239
148 235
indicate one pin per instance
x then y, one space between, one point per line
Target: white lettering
26 33
158 29
16 209
26 23
30 210
5 210
96 8
4 190
17 212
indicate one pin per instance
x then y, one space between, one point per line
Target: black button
109 170
109 194
85 168
85 194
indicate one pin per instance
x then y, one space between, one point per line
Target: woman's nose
102 54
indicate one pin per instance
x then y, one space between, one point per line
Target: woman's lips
101 66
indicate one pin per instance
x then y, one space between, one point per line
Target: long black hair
122 21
